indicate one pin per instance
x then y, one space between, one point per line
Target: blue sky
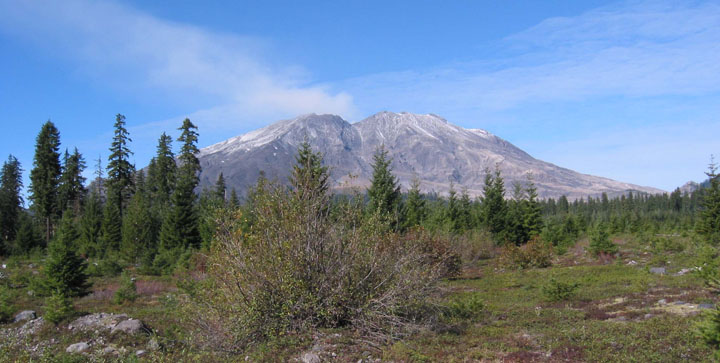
628 90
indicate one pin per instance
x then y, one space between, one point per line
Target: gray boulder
97 321
310 358
130 326
78 347
25 315
658 270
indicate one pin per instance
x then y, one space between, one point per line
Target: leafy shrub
127 290
667 244
473 245
709 330
600 243
558 290
295 269
534 254
6 307
467 308
107 267
437 249
58 307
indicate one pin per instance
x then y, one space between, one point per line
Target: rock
109 350
662 302
78 347
31 293
648 316
310 358
140 353
683 272
706 306
4 266
632 262
657 270
130 326
679 303
25 315
97 321
153 345
32 326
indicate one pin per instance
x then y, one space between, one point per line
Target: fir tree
27 236
64 269
452 212
137 226
708 224
494 207
384 191
415 209
111 230
72 183
309 177
466 218
45 176
220 188
234 201
162 172
515 229
91 222
532 212
10 200
120 171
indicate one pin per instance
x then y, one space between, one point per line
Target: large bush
296 269
534 254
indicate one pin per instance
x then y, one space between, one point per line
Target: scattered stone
706 306
310 358
109 350
679 303
632 263
4 266
78 347
130 326
25 315
31 293
97 321
657 270
662 302
648 316
140 353
32 326
153 345
621 318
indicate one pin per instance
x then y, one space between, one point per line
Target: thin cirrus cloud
629 50
232 75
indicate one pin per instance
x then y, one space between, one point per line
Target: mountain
424 146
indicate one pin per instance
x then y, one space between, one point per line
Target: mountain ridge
425 146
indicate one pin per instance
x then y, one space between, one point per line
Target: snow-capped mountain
424 146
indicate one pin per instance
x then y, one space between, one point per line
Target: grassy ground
619 312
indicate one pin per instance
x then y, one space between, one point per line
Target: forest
291 270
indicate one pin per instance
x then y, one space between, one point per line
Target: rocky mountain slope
423 146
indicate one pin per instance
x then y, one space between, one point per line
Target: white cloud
137 51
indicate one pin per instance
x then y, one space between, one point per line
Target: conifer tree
162 172
10 200
72 183
708 224
309 177
120 171
384 191
137 226
220 188
111 230
494 207
90 227
532 212
415 209
452 212
64 269
45 176
515 230
27 237
179 229
234 201
466 218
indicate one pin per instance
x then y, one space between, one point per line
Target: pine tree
64 269
234 201
10 200
384 191
532 212
309 177
515 230
45 176
220 188
466 220
162 172
111 230
708 224
91 222
72 184
120 171
137 226
27 236
452 212
494 207
179 229
415 209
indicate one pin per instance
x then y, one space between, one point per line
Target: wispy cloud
230 77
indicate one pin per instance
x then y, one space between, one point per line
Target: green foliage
45 176
600 242
494 208
415 210
708 224
90 226
58 307
27 237
138 225
111 230
127 292
709 330
534 254
72 184
120 171
467 308
384 191
162 172
106 267
558 291
64 269
10 201
7 309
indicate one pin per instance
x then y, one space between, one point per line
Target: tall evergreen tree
65 269
179 229
120 170
452 212
72 183
137 227
220 188
494 207
27 236
384 191
90 227
532 212
45 176
234 201
708 224
162 172
10 200
309 177
111 230
415 209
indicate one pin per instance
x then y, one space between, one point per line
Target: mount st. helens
424 146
